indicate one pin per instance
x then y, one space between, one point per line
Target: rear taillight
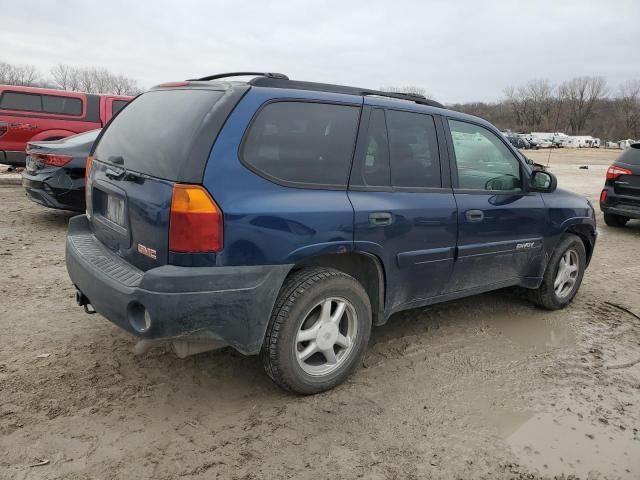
87 187
4 128
51 159
603 196
195 224
613 172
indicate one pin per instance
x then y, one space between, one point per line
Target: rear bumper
622 210
41 191
623 205
232 304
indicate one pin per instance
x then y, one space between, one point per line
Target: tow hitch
83 301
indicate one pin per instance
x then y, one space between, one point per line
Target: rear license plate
115 210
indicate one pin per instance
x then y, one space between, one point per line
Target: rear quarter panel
266 223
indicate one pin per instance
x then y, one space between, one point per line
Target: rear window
155 133
302 142
41 103
631 156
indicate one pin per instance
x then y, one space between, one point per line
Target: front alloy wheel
568 269
563 275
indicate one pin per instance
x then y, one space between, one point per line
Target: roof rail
279 76
276 82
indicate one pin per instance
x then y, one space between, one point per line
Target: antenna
555 128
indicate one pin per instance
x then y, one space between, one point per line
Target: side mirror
542 181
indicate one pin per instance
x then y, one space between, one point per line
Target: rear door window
302 142
415 161
21 101
155 134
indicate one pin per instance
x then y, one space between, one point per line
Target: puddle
540 332
567 445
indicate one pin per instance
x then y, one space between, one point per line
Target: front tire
616 221
318 332
563 275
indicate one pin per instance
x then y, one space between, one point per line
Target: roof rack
239 74
278 82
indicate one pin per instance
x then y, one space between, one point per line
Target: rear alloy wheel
326 336
615 220
563 275
318 331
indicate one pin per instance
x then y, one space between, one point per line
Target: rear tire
563 275
318 332
615 221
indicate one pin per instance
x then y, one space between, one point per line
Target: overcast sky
458 50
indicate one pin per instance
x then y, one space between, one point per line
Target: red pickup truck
30 114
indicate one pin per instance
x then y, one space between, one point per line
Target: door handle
380 218
474 216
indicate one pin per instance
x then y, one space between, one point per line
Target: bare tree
578 96
628 103
516 103
93 80
532 104
23 75
6 70
66 77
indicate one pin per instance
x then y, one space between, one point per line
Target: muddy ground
486 387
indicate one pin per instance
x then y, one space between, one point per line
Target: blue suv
286 218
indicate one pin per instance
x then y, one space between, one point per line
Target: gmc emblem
146 251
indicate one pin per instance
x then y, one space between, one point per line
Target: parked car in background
624 144
533 142
620 197
288 218
517 142
55 171
34 114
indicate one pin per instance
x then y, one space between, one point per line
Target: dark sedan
54 173
620 197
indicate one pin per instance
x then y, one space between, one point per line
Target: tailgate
130 214
163 137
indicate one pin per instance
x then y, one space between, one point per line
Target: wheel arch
586 233
366 268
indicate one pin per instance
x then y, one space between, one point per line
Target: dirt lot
486 387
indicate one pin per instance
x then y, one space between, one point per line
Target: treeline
66 77
580 106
